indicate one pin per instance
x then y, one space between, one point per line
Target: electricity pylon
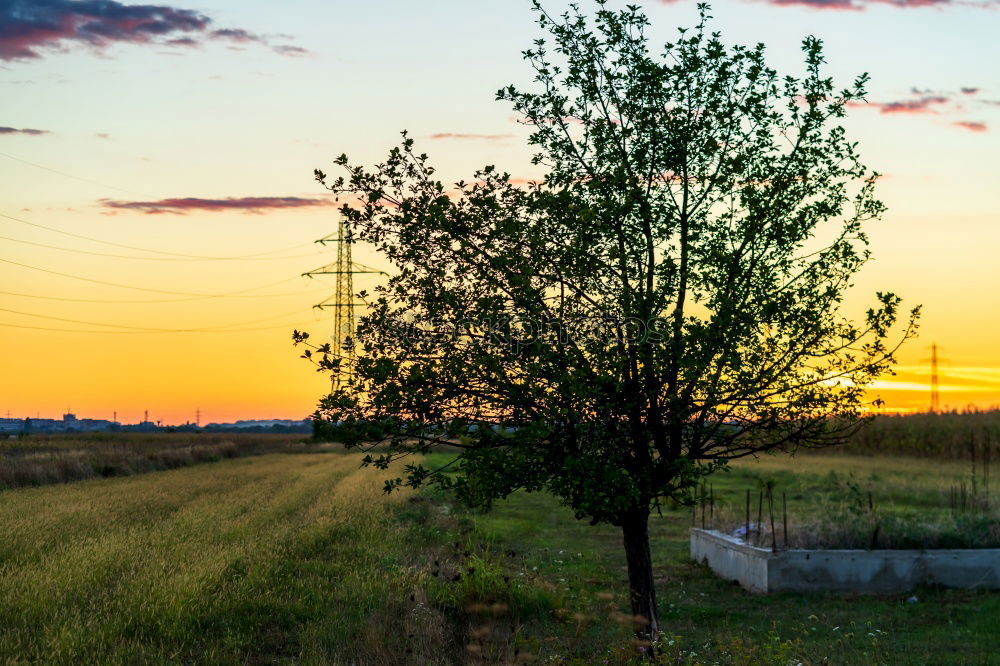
935 398
342 300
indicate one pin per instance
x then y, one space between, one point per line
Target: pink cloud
972 126
860 5
28 28
486 137
247 204
817 4
27 131
924 104
289 50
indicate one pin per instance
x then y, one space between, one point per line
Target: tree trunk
642 593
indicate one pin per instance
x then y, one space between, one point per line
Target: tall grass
301 559
270 559
37 460
866 502
952 434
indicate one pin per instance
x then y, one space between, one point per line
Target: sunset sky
157 205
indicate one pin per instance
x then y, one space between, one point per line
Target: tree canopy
669 297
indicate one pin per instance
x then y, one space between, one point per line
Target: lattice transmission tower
342 301
935 398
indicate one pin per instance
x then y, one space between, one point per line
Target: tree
667 299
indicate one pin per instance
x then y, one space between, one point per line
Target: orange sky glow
157 205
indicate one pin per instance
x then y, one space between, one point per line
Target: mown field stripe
221 561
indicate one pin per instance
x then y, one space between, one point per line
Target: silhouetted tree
666 300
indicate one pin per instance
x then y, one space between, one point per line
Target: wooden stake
760 517
871 511
711 506
746 534
784 517
701 503
770 511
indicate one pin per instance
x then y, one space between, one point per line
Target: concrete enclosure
847 571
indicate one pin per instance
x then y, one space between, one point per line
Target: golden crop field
268 557
36 460
300 558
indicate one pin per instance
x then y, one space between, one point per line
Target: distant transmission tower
935 398
342 301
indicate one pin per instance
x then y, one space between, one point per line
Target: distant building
70 423
88 425
42 425
10 426
262 423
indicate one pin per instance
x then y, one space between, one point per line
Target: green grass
301 559
846 501
277 558
954 434
719 621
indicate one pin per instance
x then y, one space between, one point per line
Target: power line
144 249
146 329
76 330
129 256
69 175
151 301
77 321
935 400
155 291
163 256
254 321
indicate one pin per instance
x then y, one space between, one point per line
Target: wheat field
272 558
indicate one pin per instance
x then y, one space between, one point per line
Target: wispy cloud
925 104
246 204
938 103
182 41
860 5
289 50
236 35
484 137
29 28
971 125
26 130
816 4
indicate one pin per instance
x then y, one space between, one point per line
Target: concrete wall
847 571
731 559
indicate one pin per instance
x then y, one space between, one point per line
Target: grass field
718 622
300 559
36 460
954 434
277 557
